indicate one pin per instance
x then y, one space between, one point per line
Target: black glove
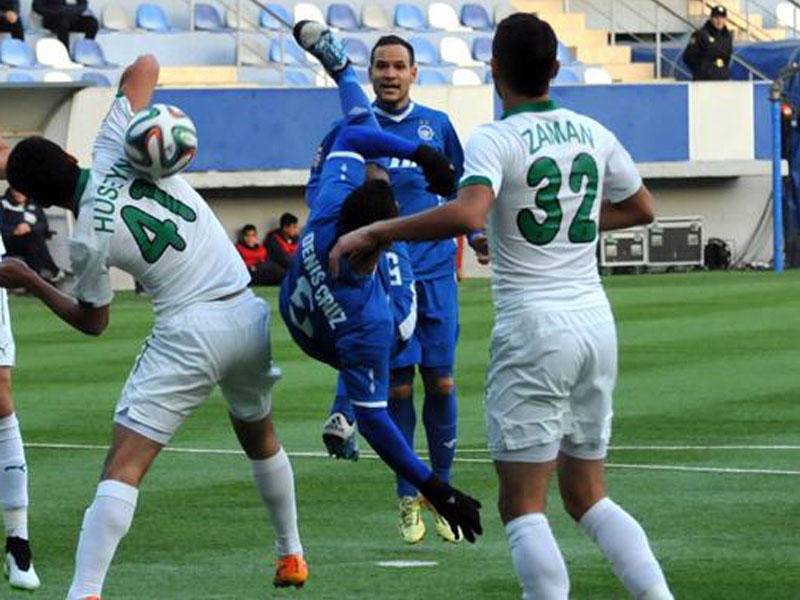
439 172
459 510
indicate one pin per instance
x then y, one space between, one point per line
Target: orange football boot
292 571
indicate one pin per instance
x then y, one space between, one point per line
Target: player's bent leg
18 564
522 501
274 478
440 416
339 433
110 515
619 536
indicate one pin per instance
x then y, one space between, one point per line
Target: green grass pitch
706 360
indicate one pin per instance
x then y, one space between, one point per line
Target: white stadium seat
116 18
596 75
306 11
456 51
57 77
52 53
466 77
443 16
374 16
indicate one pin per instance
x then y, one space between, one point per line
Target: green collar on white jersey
83 181
541 106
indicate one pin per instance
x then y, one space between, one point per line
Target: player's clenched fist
461 511
439 171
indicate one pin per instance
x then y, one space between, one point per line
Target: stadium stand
343 17
52 53
268 19
410 16
207 18
90 54
474 16
375 16
357 50
443 16
306 11
115 18
152 17
16 53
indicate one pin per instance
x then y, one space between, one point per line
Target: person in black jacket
281 243
9 19
708 54
24 228
61 17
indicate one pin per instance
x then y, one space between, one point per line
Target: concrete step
565 21
596 55
586 37
187 76
539 6
631 71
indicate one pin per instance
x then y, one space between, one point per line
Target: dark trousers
268 273
61 25
33 250
15 29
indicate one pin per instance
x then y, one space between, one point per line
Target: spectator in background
708 53
9 19
281 243
24 227
256 258
63 16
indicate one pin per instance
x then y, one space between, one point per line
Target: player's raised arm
87 319
139 80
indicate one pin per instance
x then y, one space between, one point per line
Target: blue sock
405 417
356 107
439 414
342 403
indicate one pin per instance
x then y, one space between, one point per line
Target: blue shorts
436 336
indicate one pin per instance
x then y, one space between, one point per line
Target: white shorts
8 350
225 343
550 384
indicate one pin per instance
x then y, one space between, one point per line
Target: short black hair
372 201
42 170
525 49
248 228
288 219
393 40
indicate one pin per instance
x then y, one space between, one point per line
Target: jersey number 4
152 235
583 229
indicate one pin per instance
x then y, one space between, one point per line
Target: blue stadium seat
342 16
482 49
425 52
432 77
17 53
95 78
268 21
568 74
357 51
475 16
487 77
564 55
292 53
410 16
20 77
152 17
207 18
297 78
89 54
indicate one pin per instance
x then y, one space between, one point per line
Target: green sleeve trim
476 180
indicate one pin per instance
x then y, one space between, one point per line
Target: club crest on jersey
425 132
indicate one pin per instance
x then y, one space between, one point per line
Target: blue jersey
432 259
395 272
429 260
326 316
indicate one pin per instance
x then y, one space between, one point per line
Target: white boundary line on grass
369 456
672 448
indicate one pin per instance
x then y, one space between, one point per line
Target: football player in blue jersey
392 72
348 323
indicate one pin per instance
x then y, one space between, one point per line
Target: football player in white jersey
18 565
210 329
545 181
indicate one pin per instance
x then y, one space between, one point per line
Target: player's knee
400 392
577 502
440 386
6 400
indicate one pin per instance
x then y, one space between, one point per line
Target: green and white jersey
549 168
162 233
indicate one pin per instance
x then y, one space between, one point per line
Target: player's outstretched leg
274 478
18 565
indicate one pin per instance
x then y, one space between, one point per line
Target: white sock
105 523
13 479
537 559
625 545
275 482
